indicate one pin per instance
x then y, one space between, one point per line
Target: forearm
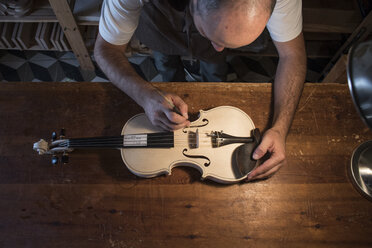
288 86
117 68
115 65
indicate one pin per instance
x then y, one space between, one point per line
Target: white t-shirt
119 20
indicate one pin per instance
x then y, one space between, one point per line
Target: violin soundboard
214 163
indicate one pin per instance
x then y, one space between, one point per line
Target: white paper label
135 140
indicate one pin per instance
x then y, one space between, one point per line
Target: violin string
155 135
128 143
170 143
202 140
198 144
121 139
152 143
134 146
150 140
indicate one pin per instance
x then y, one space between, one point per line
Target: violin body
219 144
215 163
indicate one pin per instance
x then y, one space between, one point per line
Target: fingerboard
146 140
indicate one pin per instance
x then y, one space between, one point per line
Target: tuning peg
54 136
54 160
65 158
62 133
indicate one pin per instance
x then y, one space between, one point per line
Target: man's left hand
274 143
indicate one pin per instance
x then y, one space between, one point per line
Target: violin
219 144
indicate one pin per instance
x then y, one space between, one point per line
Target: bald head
206 7
231 24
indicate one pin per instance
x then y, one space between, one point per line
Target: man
220 24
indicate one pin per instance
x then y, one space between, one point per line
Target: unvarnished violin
219 144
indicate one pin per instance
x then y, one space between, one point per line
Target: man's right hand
161 114
115 65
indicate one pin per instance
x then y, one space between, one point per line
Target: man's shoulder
285 22
286 5
285 8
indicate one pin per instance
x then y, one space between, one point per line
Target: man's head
231 24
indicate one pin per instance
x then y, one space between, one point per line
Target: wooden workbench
94 201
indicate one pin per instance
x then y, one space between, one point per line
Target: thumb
261 149
181 105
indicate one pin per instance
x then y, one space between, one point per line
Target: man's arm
115 65
288 85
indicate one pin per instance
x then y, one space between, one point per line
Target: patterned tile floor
42 66
53 66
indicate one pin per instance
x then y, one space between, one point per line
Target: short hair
205 7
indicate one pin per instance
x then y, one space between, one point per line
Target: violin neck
149 140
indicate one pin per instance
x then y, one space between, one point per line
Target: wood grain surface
94 201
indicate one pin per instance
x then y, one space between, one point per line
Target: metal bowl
359 71
361 171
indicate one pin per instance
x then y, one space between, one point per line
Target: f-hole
205 122
206 164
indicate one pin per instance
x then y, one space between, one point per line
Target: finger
275 160
178 126
173 117
268 173
171 125
181 105
262 148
